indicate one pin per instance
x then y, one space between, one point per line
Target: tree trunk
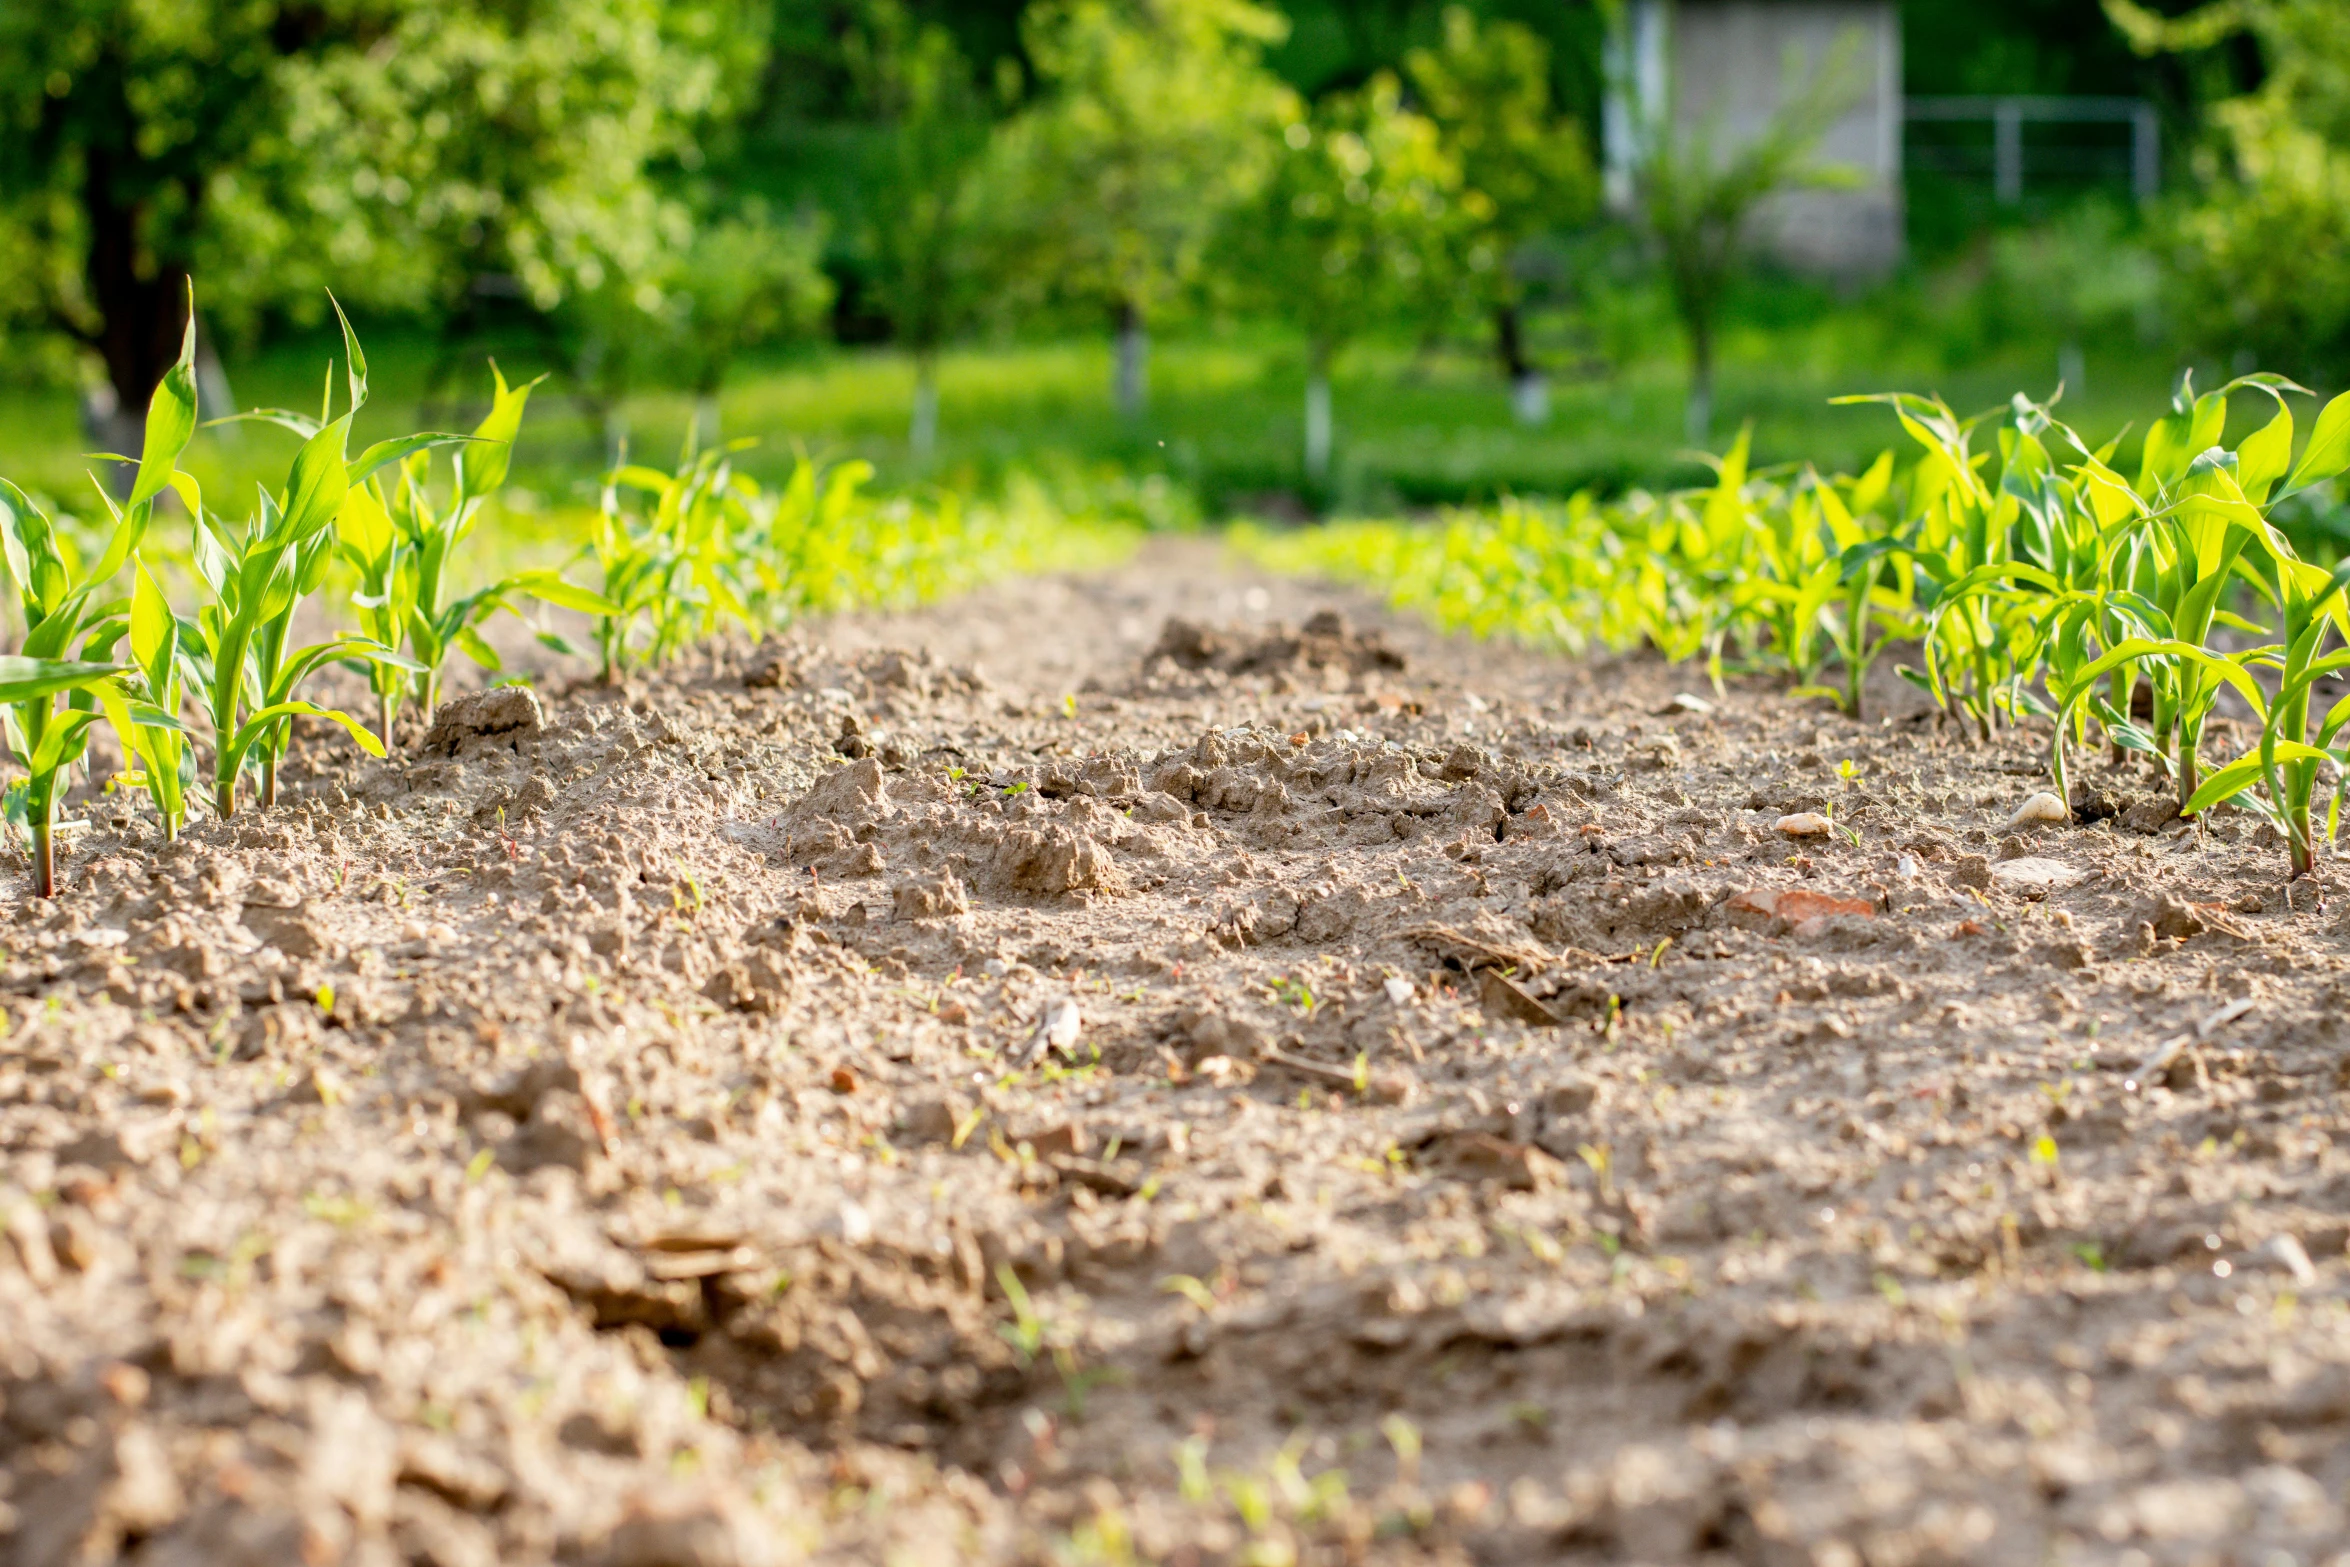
1529 387
1133 373
142 300
922 430
1699 422
1318 420
1509 341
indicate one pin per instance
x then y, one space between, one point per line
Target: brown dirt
1090 1073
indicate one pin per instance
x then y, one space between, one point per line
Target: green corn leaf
30 679
549 588
2328 451
2265 455
171 417
354 362
316 486
284 418
477 649
483 468
559 643
392 451
259 725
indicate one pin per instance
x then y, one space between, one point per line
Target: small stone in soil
1803 824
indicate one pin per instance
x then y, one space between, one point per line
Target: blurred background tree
2261 248
1526 169
1155 119
1357 211
924 218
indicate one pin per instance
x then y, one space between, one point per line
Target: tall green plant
69 629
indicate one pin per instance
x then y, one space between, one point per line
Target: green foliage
411 146
71 633
1156 119
2043 584
1525 168
1355 213
923 227
2261 251
712 551
705 549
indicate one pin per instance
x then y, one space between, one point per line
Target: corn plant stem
268 793
44 859
383 719
2190 767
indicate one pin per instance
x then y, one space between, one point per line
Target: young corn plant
637 562
167 761
416 564
69 629
367 541
2289 758
260 573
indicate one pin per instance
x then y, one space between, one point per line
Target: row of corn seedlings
682 556
2041 584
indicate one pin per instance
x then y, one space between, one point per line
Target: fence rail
2009 113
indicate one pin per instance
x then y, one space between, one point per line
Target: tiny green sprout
1025 1332
1019 788
1848 770
1601 1162
2090 1255
1191 1469
1069 704
326 999
1404 1437
1190 1288
2044 1151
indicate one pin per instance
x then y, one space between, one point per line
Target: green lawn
1222 433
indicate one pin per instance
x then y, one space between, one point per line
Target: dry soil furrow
1178 1066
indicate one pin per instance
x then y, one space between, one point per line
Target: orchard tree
398 148
1157 117
1524 166
924 222
1359 208
741 279
1697 202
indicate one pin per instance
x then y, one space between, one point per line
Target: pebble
2041 807
1399 990
2284 1252
1058 1029
1803 824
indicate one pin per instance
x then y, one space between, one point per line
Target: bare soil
1174 1066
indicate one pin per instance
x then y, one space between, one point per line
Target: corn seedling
2044 586
259 574
61 611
